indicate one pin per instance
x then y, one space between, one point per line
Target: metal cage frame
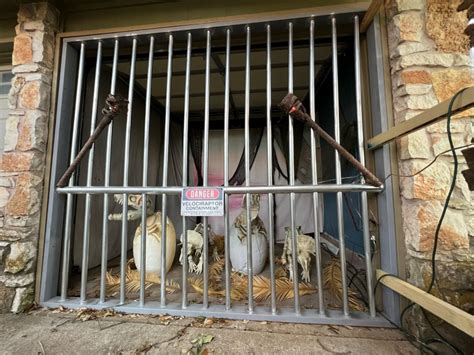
58 240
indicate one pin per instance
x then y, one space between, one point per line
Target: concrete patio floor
68 332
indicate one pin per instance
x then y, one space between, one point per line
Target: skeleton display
305 247
195 244
153 234
238 238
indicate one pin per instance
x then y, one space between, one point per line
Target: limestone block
20 161
441 144
7 295
24 299
7 179
17 280
43 51
34 95
32 131
404 115
410 47
419 223
462 60
415 145
4 196
408 26
432 184
22 49
17 84
13 235
40 11
25 200
457 126
11 133
21 254
415 102
404 5
414 89
446 26
410 76
427 59
449 81
22 221
26 68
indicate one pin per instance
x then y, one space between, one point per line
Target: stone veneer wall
23 161
429 63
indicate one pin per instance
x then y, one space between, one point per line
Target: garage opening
203 112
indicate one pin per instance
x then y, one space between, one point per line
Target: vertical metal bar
205 255
164 216
247 172
271 235
337 136
69 201
226 172
365 206
291 151
184 289
90 164
146 144
108 154
126 164
314 169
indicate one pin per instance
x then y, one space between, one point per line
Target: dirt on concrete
106 332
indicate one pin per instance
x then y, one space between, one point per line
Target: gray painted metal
59 196
69 203
361 148
227 267
271 200
247 171
184 283
337 137
166 143
314 172
310 316
385 201
90 164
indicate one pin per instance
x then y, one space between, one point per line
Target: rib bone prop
113 106
292 106
305 247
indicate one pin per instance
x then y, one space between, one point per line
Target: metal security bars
138 157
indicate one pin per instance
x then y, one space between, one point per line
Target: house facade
414 55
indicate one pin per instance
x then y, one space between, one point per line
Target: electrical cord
453 149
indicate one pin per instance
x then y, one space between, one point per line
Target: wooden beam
449 313
428 117
373 9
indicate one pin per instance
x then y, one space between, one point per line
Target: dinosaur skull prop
195 245
135 201
305 247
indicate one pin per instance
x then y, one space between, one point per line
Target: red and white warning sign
202 201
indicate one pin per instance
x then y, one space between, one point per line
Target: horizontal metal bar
235 92
309 316
198 24
427 117
176 190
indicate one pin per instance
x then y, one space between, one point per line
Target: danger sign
202 201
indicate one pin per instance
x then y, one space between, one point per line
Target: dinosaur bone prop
238 238
113 106
291 105
305 247
195 245
153 234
